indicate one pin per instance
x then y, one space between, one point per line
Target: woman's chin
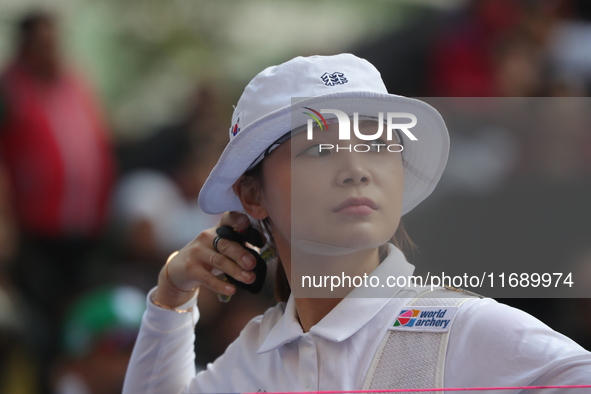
337 246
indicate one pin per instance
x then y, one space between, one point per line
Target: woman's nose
352 170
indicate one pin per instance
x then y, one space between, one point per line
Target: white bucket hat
272 103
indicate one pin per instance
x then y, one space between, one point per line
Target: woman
331 197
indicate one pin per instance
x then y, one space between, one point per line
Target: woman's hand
193 265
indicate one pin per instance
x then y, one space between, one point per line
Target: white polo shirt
490 344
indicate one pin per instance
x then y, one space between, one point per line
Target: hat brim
424 159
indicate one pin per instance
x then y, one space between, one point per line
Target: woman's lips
356 206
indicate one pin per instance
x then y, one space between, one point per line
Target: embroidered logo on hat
236 128
333 79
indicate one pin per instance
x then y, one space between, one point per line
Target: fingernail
247 260
246 275
229 289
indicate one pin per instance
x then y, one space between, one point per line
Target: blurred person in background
494 48
156 213
54 144
155 200
97 338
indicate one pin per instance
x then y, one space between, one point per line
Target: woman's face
342 199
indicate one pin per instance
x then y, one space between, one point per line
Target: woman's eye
377 145
316 151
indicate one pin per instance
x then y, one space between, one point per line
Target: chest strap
412 353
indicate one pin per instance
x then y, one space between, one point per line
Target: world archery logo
425 318
407 318
317 116
333 79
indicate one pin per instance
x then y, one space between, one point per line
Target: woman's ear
248 191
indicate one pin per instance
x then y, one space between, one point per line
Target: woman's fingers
232 250
235 220
237 253
229 267
193 265
214 283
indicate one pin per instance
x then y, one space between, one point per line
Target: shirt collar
338 324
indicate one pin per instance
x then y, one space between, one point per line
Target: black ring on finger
215 243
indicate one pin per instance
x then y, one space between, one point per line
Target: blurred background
112 114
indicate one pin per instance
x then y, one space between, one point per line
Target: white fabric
490 344
273 103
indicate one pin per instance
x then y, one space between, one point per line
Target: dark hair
282 289
30 22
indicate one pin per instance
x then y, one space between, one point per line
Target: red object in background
461 65
462 61
55 147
